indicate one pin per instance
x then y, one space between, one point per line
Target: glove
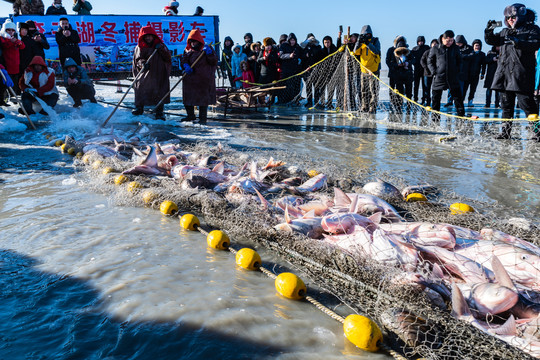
207 49
30 91
159 46
8 82
187 69
146 66
491 25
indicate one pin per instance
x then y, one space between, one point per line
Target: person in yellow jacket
368 51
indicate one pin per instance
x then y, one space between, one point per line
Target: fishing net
416 320
340 83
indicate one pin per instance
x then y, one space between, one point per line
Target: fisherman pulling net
441 285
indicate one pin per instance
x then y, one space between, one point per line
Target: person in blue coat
78 85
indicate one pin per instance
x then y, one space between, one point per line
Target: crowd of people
510 70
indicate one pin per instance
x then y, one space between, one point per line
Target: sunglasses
513 17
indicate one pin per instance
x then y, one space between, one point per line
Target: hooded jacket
246 48
199 87
68 46
53 10
311 48
80 74
290 56
369 53
517 63
477 63
236 59
491 65
417 52
154 84
10 49
43 81
399 60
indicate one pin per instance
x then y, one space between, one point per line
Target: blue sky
322 17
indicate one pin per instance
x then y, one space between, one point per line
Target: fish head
492 298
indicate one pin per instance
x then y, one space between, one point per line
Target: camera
494 24
364 38
340 28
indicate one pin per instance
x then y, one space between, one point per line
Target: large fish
345 223
412 329
364 204
383 189
315 183
423 233
149 166
214 175
309 225
357 243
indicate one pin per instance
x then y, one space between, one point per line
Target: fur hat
517 10
268 41
252 46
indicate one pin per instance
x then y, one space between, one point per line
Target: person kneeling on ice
77 83
153 84
199 88
38 81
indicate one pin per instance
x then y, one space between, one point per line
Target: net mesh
416 320
340 83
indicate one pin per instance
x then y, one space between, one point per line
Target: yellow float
189 222
290 286
460 208
362 332
217 239
248 259
168 207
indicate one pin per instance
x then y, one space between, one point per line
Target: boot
470 104
77 104
139 110
158 113
203 114
505 131
93 100
190 114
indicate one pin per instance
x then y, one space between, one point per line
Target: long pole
15 96
346 63
139 75
179 81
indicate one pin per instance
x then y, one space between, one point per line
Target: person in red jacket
247 77
11 45
38 80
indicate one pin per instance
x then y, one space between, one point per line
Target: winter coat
310 48
417 52
153 85
290 57
68 46
246 48
10 52
40 46
199 88
27 7
400 61
477 65
170 11
27 53
82 8
248 77
424 64
53 10
80 74
517 63
466 52
44 81
227 54
444 63
269 62
236 59
324 52
491 64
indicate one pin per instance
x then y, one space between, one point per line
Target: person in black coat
514 77
417 52
477 69
269 61
290 54
246 48
56 8
444 62
400 64
310 49
68 42
41 43
428 76
492 58
225 64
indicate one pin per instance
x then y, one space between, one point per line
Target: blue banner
108 41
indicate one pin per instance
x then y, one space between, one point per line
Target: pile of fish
490 278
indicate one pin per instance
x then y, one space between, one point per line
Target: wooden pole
139 75
346 64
